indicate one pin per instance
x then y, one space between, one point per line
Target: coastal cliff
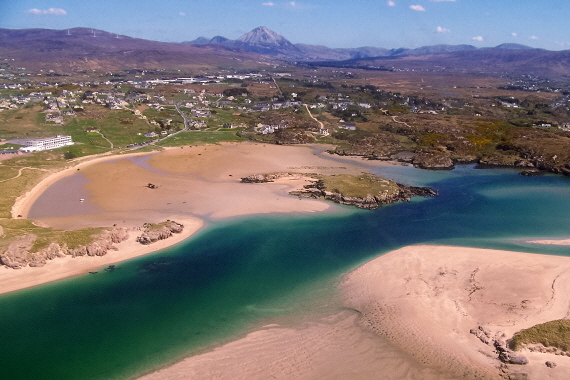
364 191
34 251
21 253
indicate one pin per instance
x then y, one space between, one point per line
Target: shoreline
12 280
25 201
218 195
407 314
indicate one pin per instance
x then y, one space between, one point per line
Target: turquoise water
239 274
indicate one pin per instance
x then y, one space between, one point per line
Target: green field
550 334
201 137
360 186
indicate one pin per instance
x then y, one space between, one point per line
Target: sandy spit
409 315
549 241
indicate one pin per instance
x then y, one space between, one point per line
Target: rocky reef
20 253
154 232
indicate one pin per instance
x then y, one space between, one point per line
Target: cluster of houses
267 129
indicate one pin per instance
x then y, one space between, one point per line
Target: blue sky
347 23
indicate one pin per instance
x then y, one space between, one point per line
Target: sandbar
408 315
549 241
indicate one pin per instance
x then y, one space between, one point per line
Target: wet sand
193 185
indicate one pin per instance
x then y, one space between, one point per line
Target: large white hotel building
57 141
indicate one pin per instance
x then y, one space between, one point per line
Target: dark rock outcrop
506 355
510 357
531 173
370 202
317 190
433 161
161 231
264 178
550 364
503 160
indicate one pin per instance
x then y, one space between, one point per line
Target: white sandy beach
407 313
412 312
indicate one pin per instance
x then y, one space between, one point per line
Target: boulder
510 357
152 233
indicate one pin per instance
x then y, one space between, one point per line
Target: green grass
119 126
201 138
360 185
13 188
13 228
151 227
27 122
549 334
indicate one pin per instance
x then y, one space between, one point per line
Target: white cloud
437 1
441 29
478 38
50 11
181 14
269 4
533 38
293 4
391 3
514 34
417 8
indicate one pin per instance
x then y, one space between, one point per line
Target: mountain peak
263 36
513 46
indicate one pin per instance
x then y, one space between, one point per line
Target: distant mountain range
90 49
265 41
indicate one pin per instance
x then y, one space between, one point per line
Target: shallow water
242 273
64 198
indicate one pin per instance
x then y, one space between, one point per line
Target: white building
36 145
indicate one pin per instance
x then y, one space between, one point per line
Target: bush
69 155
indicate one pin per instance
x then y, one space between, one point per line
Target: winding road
321 125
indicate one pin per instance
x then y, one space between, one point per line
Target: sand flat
413 309
193 184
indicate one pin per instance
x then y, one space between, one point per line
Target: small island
365 191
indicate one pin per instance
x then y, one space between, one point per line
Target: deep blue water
238 274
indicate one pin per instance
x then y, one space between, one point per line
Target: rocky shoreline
155 232
371 202
430 161
19 254
317 190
